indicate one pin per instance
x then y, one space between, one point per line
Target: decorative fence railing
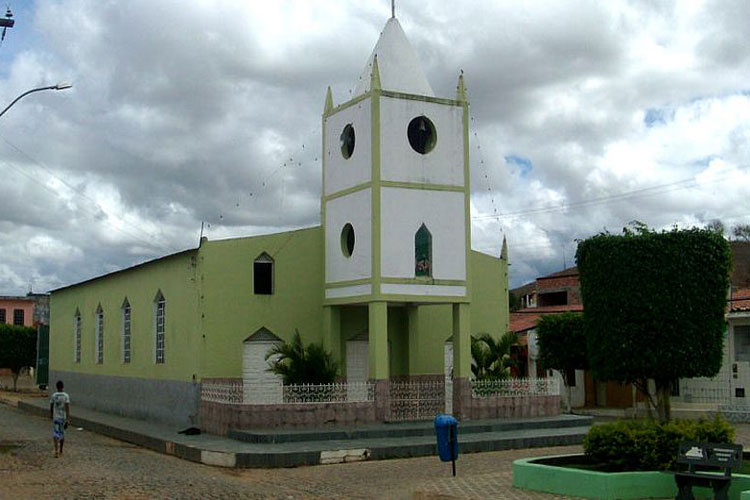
222 390
347 392
515 387
234 391
416 400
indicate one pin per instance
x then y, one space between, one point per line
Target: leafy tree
491 357
654 306
716 226
300 364
17 349
562 344
741 232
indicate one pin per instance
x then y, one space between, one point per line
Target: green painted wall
232 312
211 309
489 313
489 295
176 277
602 485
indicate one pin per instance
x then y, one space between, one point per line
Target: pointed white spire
399 66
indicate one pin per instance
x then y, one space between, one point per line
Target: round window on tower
422 134
347 141
347 240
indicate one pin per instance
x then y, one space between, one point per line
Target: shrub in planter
631 445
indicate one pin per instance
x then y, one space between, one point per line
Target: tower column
332 331
378 340
413 312
461 359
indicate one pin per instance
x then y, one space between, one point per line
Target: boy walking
59 410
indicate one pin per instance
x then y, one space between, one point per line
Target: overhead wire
77 192
637 193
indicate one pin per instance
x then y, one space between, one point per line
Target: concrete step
335 451
401 430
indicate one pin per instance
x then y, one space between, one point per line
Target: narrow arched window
77 336
99 335
263 275
126 331
423 252
160 306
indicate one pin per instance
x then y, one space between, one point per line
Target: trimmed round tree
17 349
562 344
654 306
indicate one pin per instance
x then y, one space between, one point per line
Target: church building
387 282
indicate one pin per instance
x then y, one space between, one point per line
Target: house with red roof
552 294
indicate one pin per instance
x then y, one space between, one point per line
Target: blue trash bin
446 429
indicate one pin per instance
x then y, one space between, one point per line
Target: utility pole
6 23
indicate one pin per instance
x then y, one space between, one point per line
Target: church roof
398 65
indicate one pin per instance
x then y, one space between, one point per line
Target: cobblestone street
95 466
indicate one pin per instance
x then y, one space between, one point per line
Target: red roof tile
526 319
740 300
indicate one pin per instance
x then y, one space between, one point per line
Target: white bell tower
395 201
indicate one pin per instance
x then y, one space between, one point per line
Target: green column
414 367
332 331
378 340
461 340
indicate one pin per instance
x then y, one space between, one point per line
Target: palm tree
491 357
297 364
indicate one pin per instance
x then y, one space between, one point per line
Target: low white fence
234 391
222 390
345 392
515 387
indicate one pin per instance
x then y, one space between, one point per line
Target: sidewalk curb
186 452
9 402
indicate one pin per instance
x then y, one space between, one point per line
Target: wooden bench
705 461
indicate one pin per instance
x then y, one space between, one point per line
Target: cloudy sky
585 116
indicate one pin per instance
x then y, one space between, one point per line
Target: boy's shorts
58 428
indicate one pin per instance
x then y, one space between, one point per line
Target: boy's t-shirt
58 401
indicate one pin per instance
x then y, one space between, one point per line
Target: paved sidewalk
99 467
225 452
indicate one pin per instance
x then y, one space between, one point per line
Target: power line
77 192
647 191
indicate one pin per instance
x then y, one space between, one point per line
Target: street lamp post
59 86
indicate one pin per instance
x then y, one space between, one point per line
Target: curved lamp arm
59 86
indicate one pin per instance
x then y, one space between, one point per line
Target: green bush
632 445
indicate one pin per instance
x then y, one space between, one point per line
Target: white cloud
210 111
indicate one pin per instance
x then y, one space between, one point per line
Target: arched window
77 336
126 331
423 252
99 335
159 327
263 275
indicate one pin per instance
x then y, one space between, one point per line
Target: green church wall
211 309
175 276
231 310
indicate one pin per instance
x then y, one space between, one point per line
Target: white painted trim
439 290
348 291
218 458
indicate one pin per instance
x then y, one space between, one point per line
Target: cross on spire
393 8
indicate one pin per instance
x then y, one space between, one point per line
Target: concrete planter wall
602 485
